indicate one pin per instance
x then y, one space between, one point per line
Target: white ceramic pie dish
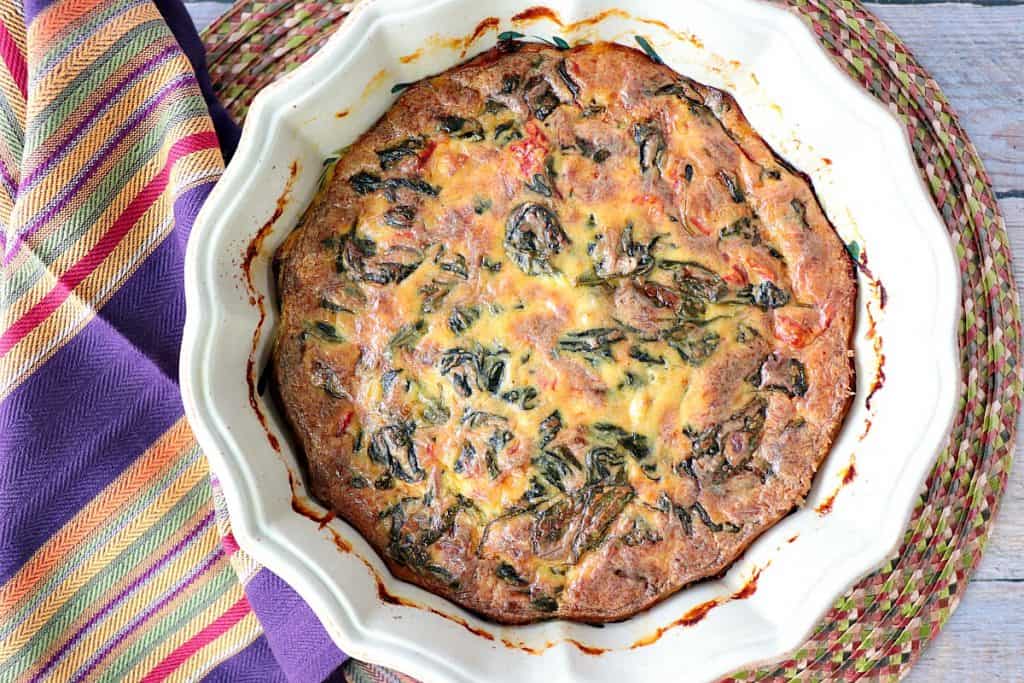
860 161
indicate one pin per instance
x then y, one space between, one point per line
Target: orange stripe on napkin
118 493
80 270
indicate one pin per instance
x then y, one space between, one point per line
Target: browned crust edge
471 602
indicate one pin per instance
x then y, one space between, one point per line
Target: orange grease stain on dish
302 507
586 649
878 381
342 114
256 299
882 297
792 538
697 614
323 521
597 19
450 43
463 43
411 57
678 35
536 14
849 474
692 617
375 82
540 13
391 599
485 25
525 648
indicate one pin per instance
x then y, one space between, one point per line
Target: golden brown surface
562 335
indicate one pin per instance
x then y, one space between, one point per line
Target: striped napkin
114 564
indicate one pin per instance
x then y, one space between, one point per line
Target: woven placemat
879 627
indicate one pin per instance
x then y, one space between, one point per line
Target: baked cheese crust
561 334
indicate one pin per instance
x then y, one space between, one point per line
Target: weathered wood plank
976 55
205 11
982 642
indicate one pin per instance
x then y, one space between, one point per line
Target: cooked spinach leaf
735 191
389 156
641 533
365 182
462 318
496 444
555 464
563 73
544 604
595 345
325 331
506 132
523 397
433 294
539 184
533 235
766 295
508 574
485 366
650 142
392 447
540 97
400 217
642 355
481 205
549 428
466 456
800 210
358 257
698 286
456 266
460 128
489 264
693 343
408 336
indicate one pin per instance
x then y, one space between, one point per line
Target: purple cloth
254 664
298 642
174 13
130 354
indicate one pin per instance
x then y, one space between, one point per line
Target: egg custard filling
561 334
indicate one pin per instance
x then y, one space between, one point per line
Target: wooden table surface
976 53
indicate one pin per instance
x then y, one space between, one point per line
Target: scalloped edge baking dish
862 166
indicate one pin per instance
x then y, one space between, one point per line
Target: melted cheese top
564 306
